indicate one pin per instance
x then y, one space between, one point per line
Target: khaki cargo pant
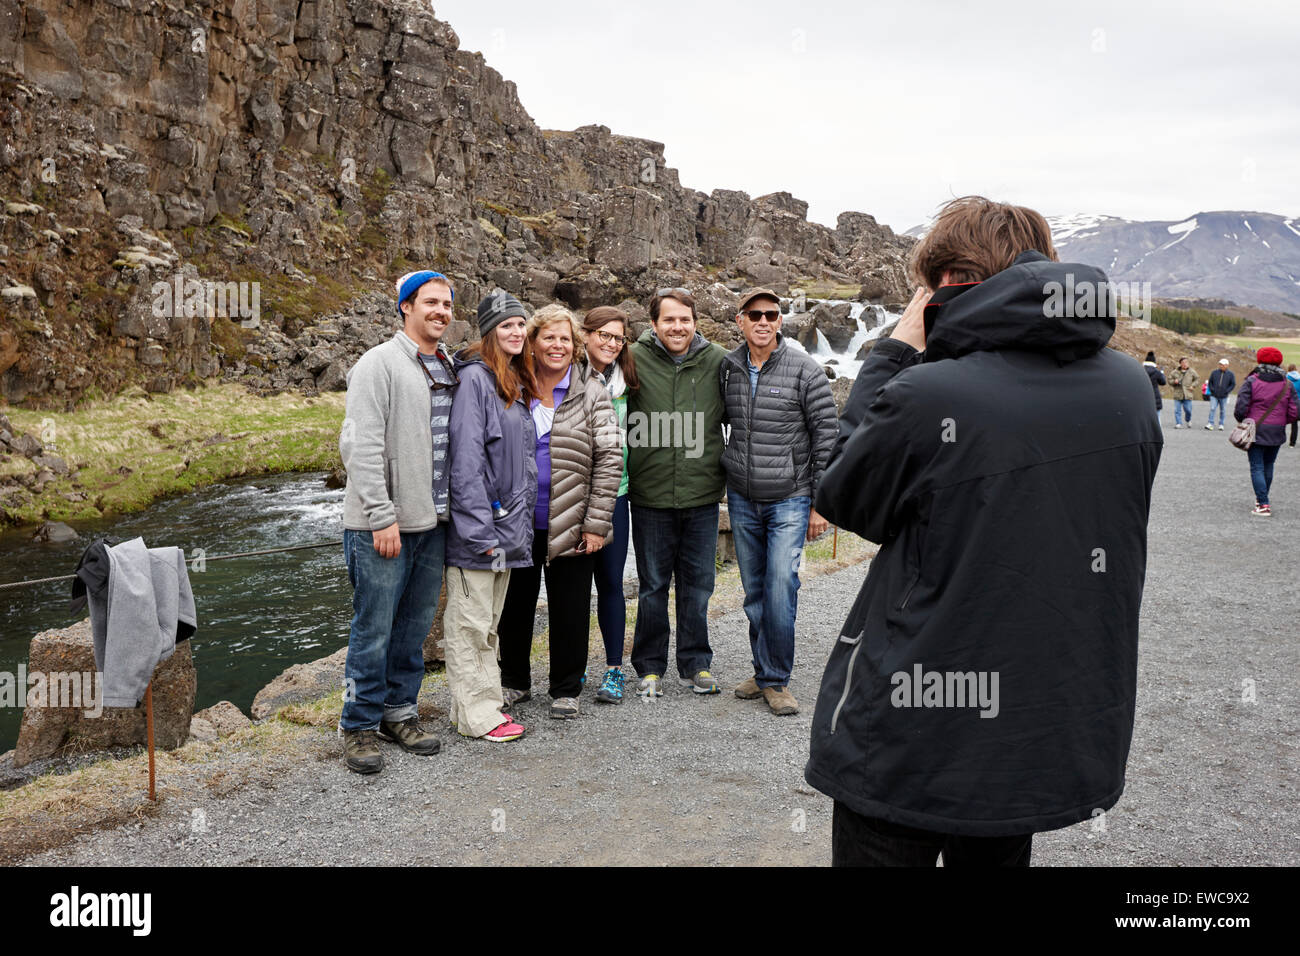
470 645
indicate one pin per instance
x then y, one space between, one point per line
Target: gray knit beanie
495 308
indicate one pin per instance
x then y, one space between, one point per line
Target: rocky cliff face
309 151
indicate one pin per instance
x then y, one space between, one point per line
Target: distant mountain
1252 258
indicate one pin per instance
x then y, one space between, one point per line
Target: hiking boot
749 690
649 686
361 751
564 708
611 689
703 683
781 701
410 736
511 696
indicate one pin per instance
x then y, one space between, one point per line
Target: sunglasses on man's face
760 315
667 291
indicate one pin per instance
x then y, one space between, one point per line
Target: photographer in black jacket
982 688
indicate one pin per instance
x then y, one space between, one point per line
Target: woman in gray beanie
493 493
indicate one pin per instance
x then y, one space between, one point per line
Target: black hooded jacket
984 681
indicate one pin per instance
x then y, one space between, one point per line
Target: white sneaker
1210 428
1220 428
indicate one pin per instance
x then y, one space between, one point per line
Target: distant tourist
579 466
1268 399
396 423
605 331
1222 384
1157 379
675 482
1293 376
983 686
493 492
782 419
1183 379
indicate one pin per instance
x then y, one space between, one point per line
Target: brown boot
410 736
781 701
361 751
749 690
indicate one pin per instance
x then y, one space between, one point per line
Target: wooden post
148 717
835 543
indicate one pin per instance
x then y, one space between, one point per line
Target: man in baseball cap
1222 384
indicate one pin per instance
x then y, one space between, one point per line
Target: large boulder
838 328
301 682
65 657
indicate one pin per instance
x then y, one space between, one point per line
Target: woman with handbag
1266 404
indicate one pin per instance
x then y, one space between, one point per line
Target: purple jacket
1256 395
492 459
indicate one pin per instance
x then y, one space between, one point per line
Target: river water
256 615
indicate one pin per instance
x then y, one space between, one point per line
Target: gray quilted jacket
586 465
782 435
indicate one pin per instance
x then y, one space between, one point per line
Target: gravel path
698 780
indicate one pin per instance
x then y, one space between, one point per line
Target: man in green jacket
675 481
1184 380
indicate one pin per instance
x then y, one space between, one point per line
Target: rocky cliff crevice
317 149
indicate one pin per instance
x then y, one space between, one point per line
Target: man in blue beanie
394 447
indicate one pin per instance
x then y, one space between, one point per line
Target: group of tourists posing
512 461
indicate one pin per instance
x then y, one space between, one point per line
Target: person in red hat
1267 399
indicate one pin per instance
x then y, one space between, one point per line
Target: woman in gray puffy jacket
579 459
493 491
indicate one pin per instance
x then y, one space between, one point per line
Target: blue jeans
394 601
680 544
769 547
1261 469
1182 409
1221 404
611 606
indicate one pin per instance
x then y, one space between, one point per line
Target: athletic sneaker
703 683
1263 511
510 696
1221 429
1210 428
649 686
564 708
611 689
506 731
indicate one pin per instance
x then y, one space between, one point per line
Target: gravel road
701 780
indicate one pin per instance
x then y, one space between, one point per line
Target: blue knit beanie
410 283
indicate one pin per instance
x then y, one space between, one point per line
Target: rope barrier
216 557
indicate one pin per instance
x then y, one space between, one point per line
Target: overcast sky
1142 110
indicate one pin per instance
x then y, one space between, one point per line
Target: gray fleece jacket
386 442
134 620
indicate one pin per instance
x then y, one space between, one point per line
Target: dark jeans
611 606
868 841
394 601
568 608
1293 431
1261 469
674 544
769 549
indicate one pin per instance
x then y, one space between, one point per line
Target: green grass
161 439
1255 344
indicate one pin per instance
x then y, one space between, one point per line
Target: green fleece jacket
674 426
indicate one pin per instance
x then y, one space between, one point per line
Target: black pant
1293 427
568 602
867 841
